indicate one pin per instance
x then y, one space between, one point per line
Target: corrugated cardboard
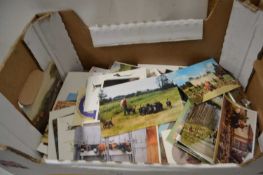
178 53
20 63
31 87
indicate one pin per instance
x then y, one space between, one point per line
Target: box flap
181 53
48 40
31 88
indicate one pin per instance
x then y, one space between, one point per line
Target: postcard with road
138 104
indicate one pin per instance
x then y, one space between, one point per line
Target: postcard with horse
138 104
203 81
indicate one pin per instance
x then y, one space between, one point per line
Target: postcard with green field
203 81
138 104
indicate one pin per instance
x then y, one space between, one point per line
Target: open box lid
184 52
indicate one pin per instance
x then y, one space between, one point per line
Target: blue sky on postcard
182 75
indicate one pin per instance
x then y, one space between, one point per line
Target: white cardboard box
25 162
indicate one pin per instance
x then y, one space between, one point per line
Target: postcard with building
197 130
237 133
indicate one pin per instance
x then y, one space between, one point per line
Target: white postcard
65 138
95 83
52 151
81 117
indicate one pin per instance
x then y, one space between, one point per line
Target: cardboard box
18 151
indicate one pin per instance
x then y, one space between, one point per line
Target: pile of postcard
154 114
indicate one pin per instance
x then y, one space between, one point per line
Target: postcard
203 81
197 129
65 138
178 126
38 111
260 141
237 133
162 69
137 146
142 146
52 140
175 155
81 117
72 96
239 96
55 134
138 104
108 83
152 72
119 67
161 128
42 148
95 83
88 143
63 104
152 144
99 71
